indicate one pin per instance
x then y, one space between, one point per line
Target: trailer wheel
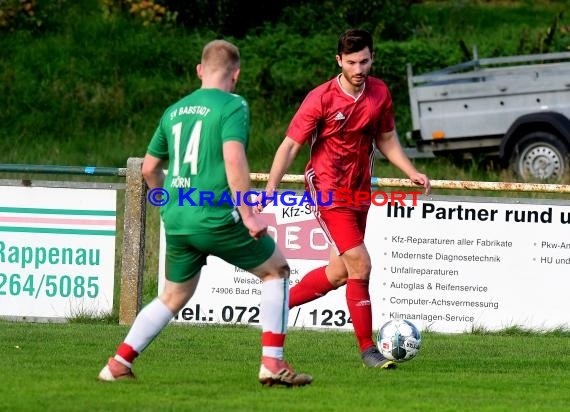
540 156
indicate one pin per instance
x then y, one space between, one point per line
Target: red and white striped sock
274 316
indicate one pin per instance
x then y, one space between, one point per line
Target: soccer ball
399 340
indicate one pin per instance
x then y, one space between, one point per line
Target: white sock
148 323
274 312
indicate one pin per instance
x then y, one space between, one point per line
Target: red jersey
342 130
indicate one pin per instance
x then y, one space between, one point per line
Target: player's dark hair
354 40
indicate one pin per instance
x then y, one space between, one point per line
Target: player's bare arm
284 157
389 144
237 171
152 171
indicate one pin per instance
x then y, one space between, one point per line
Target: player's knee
338 282
174 301
365 269
361 269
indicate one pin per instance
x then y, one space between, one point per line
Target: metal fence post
132 262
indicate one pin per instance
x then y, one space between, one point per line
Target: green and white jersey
190 135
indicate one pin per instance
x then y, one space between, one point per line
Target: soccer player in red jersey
341 120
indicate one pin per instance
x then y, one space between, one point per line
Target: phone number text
50 286
225 314
251 315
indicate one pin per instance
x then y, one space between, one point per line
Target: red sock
358 302
272 346
276 340
127 352
313 285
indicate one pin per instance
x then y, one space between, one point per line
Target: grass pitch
53 367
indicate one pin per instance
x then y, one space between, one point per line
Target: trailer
515 108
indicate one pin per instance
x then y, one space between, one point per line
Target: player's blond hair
221 55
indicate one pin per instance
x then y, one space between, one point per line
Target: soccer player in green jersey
203 137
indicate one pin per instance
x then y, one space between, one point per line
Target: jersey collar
347 93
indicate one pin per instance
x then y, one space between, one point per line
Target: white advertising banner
448 264
57 252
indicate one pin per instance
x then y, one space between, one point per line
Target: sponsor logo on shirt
339 116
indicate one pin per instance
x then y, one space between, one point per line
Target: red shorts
344 228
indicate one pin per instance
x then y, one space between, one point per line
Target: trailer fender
548 121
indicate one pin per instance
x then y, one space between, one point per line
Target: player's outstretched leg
148 323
